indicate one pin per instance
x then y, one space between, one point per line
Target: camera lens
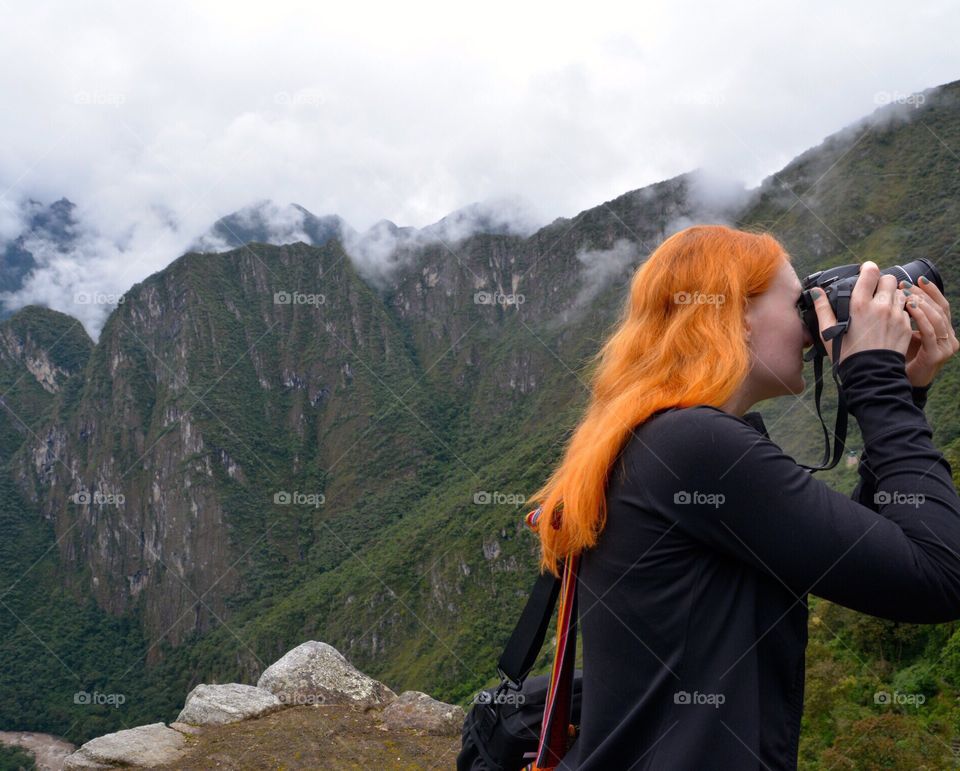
913 270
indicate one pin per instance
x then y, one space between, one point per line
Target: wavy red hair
662 353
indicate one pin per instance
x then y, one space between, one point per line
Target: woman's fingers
866 284
938 312
887 292
826 318
934 328
928 333
876 320
936 296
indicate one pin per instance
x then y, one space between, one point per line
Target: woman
701 539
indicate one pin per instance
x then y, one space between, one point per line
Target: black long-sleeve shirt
693 603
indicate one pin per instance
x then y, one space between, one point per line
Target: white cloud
185 112
11 223
87 279
602 266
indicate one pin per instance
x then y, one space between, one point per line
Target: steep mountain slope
205 397
41 350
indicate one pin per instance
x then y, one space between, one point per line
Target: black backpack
502 729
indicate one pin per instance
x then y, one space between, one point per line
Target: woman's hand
934 341
877 317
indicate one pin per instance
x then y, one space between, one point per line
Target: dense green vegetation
15 759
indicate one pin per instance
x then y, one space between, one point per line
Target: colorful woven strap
555 731
533 518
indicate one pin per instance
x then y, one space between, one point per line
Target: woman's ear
749 313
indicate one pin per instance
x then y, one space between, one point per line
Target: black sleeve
866 488
733 490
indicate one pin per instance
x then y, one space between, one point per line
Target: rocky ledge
311 708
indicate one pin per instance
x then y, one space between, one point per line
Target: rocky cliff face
41 351
221 374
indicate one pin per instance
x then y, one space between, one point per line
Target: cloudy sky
156 119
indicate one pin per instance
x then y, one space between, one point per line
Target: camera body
840 280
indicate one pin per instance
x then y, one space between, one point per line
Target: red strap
555 730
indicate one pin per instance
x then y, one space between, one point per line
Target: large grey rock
226 703
317 673
146 745
417 710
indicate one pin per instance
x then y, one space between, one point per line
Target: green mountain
268 445
41 353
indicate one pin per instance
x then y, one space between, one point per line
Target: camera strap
835 335
524 646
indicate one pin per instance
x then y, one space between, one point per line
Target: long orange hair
680 342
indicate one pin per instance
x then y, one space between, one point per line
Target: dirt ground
316 737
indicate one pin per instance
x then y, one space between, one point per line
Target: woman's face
777 337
